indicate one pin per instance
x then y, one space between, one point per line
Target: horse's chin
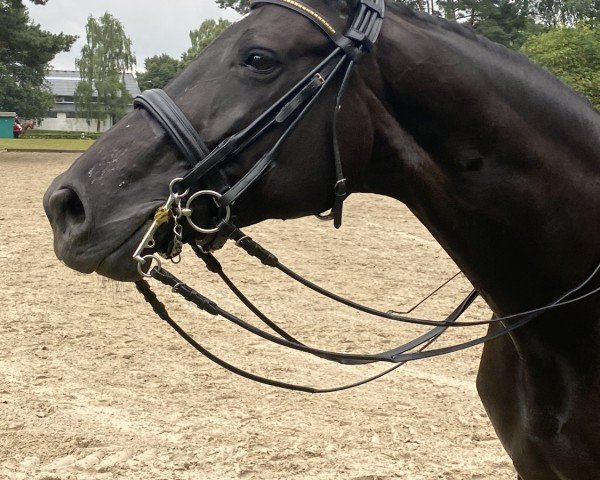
120 265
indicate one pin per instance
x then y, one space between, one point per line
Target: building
62 115
7 119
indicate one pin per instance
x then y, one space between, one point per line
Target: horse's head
100 207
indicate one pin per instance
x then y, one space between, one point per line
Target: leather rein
204 164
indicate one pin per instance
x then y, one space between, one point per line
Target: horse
28 125
25 126
496 157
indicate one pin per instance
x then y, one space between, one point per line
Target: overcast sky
154 26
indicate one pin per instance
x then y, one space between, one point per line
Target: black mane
463 30
405 11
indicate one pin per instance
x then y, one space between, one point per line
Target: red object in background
17 129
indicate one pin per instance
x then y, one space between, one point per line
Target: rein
416 349
204 165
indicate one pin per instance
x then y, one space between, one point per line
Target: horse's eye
260 62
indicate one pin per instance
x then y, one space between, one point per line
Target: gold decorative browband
359 38
304 10
312 13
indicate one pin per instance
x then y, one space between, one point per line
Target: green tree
240 6
102 64
508 22
555 13
159 70
202 37
25 53
573 55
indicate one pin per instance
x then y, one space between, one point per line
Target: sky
154 26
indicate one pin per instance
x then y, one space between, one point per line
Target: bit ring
187 212
145 259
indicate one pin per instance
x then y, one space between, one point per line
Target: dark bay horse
495 156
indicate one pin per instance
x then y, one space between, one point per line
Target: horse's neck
442 75
498 159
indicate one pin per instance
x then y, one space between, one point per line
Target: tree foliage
240 6
555 13
162 68
103 62
202 37
573 55
25 53
508 22
159 70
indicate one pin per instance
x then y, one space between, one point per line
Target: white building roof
63 83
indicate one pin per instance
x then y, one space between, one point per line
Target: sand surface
94 386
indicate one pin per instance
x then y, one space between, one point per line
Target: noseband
204 165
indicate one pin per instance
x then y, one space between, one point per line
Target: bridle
285 113
204 165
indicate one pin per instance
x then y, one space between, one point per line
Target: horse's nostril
66 208
74 208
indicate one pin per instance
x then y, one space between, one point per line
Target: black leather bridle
288 111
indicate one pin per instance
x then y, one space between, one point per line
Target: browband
302 9
362 34
340 40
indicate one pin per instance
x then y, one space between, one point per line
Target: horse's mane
407 12
465 31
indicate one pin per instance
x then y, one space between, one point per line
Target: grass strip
45 144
